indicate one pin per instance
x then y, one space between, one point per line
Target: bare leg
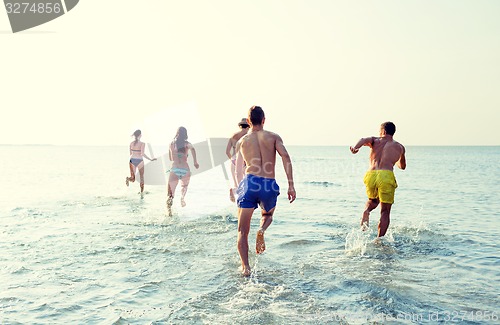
265 222
172 184
244 218
184 188
385 212
233 174
132 174
141 177
371 204
170 200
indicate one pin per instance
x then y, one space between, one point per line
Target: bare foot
364 226
260 245
246 271
142 195
126 181
183 203
231 195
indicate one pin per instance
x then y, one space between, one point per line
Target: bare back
179 157
258 149
231 146
136 149
385 153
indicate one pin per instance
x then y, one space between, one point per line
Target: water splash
254 276
365 243
357 241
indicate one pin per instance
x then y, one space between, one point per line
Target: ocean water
79 247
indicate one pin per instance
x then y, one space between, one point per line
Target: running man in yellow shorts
379 179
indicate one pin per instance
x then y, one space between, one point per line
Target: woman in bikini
136 161
178 154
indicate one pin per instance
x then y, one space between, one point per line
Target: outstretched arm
361 142
228 148
195 161
287 164
240 164
144 153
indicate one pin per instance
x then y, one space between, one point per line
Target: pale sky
326 72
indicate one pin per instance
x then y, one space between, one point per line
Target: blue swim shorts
255 190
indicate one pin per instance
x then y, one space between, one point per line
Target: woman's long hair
136 134
181 139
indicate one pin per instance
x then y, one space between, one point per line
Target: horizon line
288 145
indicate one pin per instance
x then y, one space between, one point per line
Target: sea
77 246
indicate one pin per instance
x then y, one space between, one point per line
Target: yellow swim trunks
380 184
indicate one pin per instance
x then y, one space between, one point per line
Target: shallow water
77 246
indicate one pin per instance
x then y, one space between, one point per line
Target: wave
25 212
302 242
319 183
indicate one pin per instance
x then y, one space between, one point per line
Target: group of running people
252 152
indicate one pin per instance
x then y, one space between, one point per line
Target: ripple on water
21 270
301 242
321 183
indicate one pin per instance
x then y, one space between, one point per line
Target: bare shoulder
244 138
240 141
373 140
398 147
235 136
272 135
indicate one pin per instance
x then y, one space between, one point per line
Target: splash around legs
170 201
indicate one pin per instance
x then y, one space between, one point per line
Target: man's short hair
389 128
256 115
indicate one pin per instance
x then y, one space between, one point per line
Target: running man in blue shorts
379 179
258 149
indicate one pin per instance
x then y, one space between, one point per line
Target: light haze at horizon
325 72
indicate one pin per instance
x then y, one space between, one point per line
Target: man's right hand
354 150
291 194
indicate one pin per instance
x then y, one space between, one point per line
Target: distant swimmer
379 179
258 150
178 154
236 173
136 149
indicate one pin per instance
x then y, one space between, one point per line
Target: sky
326 72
